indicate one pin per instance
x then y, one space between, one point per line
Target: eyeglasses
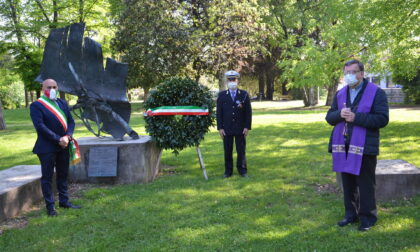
352 72
231 79
52 87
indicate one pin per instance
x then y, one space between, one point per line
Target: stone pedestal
395 179
20 187
137 160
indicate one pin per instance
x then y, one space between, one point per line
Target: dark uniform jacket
234 116
48 128
373 121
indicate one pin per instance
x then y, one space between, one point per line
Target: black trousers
61 162
240 150
359 192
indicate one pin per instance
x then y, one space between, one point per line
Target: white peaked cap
232 74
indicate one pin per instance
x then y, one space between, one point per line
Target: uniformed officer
234 117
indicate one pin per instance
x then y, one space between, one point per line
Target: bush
411 88
179 131
12 96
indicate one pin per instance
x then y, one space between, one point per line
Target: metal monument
76 63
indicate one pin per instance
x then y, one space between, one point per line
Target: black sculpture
78 70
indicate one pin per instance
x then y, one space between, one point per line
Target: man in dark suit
234 117
54 126
358 111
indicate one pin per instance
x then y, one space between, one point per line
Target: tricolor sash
351 161
177 110
51 106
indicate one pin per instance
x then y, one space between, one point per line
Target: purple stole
352 161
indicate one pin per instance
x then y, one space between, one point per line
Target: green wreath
176 132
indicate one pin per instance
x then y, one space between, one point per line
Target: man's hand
245 132
345 112
64 141
350 117
222 133
347 115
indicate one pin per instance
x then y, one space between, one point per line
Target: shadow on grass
276 209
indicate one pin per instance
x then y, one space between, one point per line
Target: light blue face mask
351 79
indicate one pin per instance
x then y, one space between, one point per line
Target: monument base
395 179
137 161
20 188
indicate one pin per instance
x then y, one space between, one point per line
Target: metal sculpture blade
77 66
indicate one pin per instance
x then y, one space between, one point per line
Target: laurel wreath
177 132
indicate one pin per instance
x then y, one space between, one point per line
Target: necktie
232 94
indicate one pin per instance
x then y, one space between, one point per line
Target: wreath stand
200 159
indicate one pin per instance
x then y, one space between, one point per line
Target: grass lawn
289 203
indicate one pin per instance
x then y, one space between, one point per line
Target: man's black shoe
346 221
69 205
51 212
244 175
226 176
365 227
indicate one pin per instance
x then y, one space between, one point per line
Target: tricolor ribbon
177 110
74 152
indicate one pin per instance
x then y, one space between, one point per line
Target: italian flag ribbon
176 110
74 152
53 108
74 149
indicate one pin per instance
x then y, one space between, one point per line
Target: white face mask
351 79
232 85
52 94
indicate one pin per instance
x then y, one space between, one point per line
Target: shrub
411 87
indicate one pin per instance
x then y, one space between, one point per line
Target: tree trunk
16 19
62 95
32 96
261 85
270 85
26 98
222 83
2 122
146 93
55 14
284 90
331 93
81 11
310 97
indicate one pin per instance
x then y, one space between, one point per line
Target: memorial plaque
103 162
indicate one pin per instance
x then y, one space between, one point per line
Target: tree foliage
167 38
316 38
411 87
26 25
10 84
301 43
153 38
